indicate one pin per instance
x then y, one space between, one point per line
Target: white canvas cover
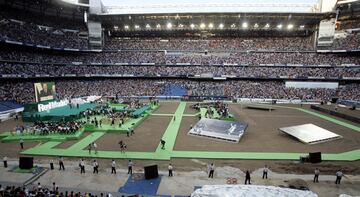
219 129
310 133
249 191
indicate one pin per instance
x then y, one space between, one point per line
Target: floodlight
245 25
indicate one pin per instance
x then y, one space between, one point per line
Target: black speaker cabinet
151 172
26 162
315 157
334 99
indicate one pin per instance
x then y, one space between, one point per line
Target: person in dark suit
247 177
211 170
61 163
96 167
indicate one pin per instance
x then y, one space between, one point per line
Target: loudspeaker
334 99
26 162
315 157
151 172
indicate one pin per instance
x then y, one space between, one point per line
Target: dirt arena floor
262 134
189 109
146 138
167 108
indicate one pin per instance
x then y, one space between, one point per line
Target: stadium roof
209 6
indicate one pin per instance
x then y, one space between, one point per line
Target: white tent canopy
310 133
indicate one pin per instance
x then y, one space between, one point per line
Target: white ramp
310 133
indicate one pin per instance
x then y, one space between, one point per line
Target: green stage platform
77 150
57 114
129 124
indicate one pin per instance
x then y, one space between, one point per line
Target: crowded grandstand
293 52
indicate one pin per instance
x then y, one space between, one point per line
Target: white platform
310 133
230 131
249 191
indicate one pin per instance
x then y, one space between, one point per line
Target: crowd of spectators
240 71
215 43
41 191
23 91
45 128
34 34
158 57
350 42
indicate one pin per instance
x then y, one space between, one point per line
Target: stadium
180 98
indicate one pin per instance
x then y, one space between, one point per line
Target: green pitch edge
172 131
346 156
82 144
48 148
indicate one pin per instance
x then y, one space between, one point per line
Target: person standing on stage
113 167
247 177
316 175
96 167
130 166
211 170
61 163
170 168
265 172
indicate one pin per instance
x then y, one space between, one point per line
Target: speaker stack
315 157
151 172
26 163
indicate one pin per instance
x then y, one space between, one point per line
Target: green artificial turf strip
82 144
172 129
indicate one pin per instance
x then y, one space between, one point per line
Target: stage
57 114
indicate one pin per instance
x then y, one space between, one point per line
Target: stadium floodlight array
203 25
